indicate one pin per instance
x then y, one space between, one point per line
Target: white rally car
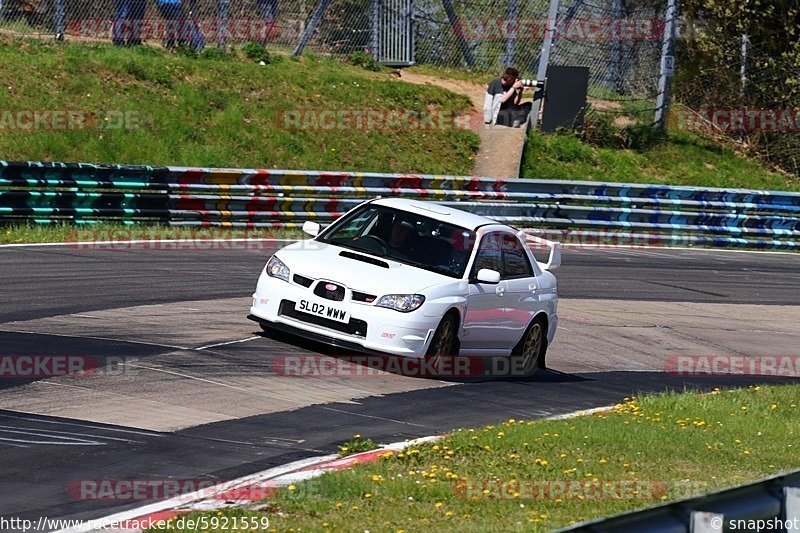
416 279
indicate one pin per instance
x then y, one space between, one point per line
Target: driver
400 238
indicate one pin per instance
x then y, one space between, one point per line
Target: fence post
743 80
60 23
615 51
667 65
375 29
459 32
512 14
223 14
311 27
544 58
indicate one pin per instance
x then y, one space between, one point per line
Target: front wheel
531 353
443 342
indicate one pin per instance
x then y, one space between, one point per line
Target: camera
532 83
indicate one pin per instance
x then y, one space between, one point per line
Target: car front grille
354 327
302 280
359 296
329 291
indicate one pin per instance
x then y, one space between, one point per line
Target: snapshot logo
70 120
562 489
241 29
574 29
737 120
121 490
49 366
373 366
733 365
377 120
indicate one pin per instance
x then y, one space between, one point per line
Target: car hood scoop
358 271
364 258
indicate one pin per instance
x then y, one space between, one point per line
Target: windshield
404 237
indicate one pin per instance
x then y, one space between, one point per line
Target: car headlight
404 303
276 269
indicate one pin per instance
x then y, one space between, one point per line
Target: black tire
443 342
530 353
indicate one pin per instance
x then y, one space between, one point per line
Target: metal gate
393 32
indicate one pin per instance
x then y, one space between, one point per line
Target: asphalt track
42 454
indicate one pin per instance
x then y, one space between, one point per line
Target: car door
486 326
522 299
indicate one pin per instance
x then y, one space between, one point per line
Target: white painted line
128 341
205 380
280 476
227 343
120 430
139 241
184 499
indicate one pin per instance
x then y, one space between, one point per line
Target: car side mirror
486 275
312 228
555 257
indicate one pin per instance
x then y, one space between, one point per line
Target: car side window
489 255
515 259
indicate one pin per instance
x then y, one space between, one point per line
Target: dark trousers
515 114
128 16
180 29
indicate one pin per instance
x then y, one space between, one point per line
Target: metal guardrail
585 211
767 505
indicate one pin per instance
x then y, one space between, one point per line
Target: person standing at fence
179 30
127 24
502 103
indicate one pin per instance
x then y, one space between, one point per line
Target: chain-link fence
748 97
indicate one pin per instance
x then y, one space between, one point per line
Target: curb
263 483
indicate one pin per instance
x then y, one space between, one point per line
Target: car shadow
454 369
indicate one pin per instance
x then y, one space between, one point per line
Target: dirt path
501 148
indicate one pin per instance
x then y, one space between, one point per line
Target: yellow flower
291 487
368 495
438 505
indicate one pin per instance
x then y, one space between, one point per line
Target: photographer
502 103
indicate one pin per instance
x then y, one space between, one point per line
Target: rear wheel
443 343
532 349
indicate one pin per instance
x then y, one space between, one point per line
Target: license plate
322 310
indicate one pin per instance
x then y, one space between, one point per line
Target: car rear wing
554 261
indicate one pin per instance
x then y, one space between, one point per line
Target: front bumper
371 328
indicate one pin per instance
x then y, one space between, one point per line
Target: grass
146 105
42 233
664 447
683 158
357 444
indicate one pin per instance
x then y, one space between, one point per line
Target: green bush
363 60
256 51
215 54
